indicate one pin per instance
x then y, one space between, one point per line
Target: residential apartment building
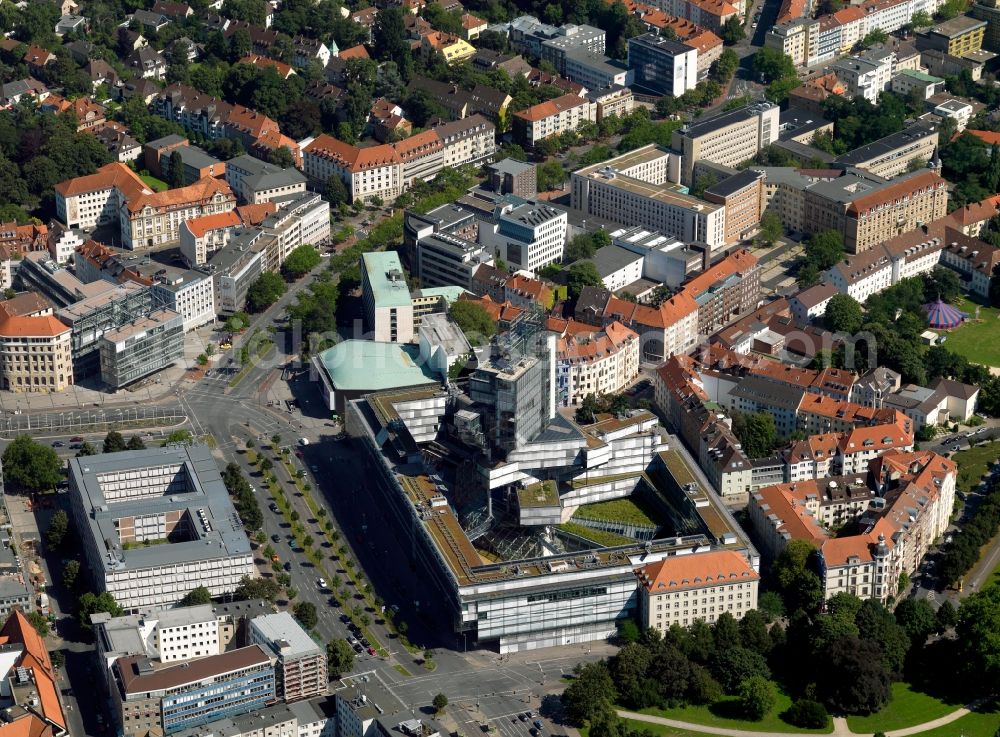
728 139
725 291
529 236
797 38
617 100
300 667
386 298
553 117
148 700
634 189
366 172
810 304
868 213
89 201
911 82
742 195
470 140
32 696
710 14
141 348
35 350
254 181
595 362
863 77
683 589
154 219
975 260
194 162
956 36
172 496
202 237
893 155
662 65
235 267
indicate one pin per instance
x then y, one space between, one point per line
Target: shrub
807 714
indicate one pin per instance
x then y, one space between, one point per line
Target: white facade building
529 236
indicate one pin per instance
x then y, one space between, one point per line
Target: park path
840 728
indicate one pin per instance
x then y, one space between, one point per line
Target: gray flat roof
704 127
732 185
203 491
283 627
610 259
917 131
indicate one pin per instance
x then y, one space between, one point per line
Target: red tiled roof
551 107
200 226
351 157
680 572
355 52
110 175
201 191
734 263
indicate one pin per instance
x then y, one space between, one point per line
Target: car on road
58 444
288 565
276 538
273 507
981 430
371 651
75 446
956 448
76 439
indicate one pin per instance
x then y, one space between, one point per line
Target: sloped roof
551 107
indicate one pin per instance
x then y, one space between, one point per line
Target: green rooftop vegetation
628 511
542 494
599 537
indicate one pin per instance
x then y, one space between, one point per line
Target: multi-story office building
868 212
166 635
195 163
91 317
235 267
314 718
421 157
742 195
141 348
663 65
634 189
154 219
254 181
150 700
892 155
989 11
155 524
386 298
35 352
190 293
300 664
728 139
302 220
511 176
530 236
595 363
594 71
552 117
867 78
529 35
445 260
93 200
957 36
797 38
686 588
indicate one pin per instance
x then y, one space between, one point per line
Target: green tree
732 31
824 249
943 283
29 466
757 697
591 691
917 618
978 631
39 622
736 664
135 443
176 172
474 321
807 714
876 624
771 229
91 603
946 617
178 437
756 432
550 175
582 274
843 314
873 38
71 574
440 702
305 612
114 442
853 678
770 65
265 291
257 588
197 595
795 579
390 41
336 192
56 533
86 449
339 658
300 262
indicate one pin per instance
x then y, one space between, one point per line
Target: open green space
981 723
157 185
627 511
974 463
907 708
658 729
979 341
718 715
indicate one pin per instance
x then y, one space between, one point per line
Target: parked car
276 538
76 439
58 444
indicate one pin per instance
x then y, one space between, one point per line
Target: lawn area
601 537
157 185
973 464
716 715
906 709
625 511
657 729
978 724
977 341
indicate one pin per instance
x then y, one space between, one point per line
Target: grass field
658 729
718 715
978 724
607 539
157 185
977 341
906 709
974 463
617 510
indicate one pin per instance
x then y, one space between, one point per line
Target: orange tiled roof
256 60
680 572
26 327
351 157
734 263
110 175
417 145
670 312
595 345
200 226
257 213
990 138
355 52
201 191
551 107
849 15
18 629
470 22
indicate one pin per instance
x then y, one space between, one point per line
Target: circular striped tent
942 315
